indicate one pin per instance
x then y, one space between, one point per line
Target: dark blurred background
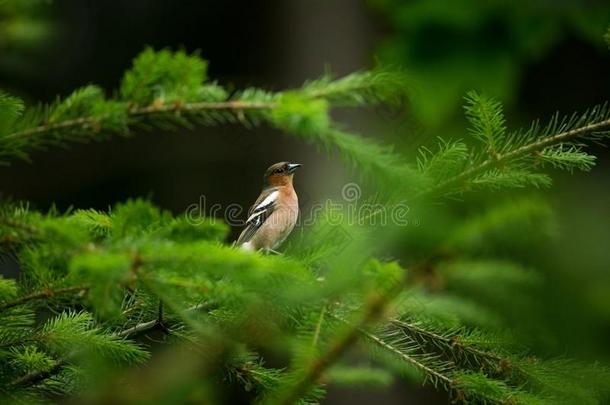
535 56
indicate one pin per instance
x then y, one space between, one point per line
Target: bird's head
280 174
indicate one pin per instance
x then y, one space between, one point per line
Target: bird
274 214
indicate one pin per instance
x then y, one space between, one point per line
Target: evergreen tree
448 309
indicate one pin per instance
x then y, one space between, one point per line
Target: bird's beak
292 167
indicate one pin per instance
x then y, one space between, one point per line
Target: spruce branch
170 90
152 112
453 344
42 294
590 125
15 224
399 347
378 85
486 119
139 328
38 376
374 309
154 323
429 371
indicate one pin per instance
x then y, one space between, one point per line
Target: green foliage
98 292
108 271
164 76
167 90
77 104
501 225
301 115
29 358
10 109
136 217
490 390
74 334
8 289
360 377
444 163
567 157
26 31
510 159
449 48
486 119
98 224
361 88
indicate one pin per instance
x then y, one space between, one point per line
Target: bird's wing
258 214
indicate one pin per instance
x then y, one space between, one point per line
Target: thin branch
449 342
373 310
409 359
515 370
46 293
141 327
235 105
145 326
498 159
318 327
9 222
191 108
35 377
39 376
71 123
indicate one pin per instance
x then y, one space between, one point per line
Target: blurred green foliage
25 28
135 305
137 268
451 47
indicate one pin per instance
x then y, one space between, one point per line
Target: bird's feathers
258 214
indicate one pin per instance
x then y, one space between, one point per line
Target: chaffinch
274 214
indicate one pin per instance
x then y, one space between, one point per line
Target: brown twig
37 376
236 105
145 326
46 293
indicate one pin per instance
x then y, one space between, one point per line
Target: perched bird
273 215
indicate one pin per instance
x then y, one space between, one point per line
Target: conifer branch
175 262
46 293
438 376
92 122
448 342
38 376
148 325
313 372
11 223
498 159
234 105
139 328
